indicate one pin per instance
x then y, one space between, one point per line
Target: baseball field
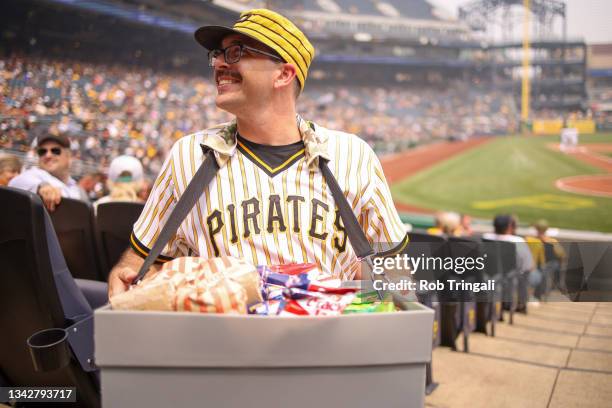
525 175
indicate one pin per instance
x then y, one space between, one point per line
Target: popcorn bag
217 285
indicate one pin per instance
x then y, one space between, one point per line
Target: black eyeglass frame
42 151
213 54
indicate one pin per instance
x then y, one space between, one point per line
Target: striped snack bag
217 285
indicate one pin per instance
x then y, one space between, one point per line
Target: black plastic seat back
29 298
500 257
549 252
508 257
427 247
73 223
467 249
114 223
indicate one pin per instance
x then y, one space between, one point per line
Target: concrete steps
557 356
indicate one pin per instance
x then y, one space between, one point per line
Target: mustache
227 73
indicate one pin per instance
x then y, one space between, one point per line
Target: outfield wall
554 126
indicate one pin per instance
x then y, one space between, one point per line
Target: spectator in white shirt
51 179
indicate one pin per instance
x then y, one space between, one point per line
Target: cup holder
49 349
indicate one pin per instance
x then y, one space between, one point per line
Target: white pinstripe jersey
272 216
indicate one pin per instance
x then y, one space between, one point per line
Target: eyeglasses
56 151
234 52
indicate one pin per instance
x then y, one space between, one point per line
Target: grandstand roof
409 9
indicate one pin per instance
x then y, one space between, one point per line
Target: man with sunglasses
51 179
268 203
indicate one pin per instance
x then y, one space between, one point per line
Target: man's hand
124 273
120 280
50 196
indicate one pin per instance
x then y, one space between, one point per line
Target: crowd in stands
601 104
395 118
107 110
110 110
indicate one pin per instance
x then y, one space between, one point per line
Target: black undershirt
273 156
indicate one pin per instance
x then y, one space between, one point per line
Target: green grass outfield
511 174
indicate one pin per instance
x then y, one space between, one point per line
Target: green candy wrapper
376 307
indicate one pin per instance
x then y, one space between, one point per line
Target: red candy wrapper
292 269
317 305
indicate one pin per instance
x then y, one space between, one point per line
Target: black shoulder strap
206 172
355 233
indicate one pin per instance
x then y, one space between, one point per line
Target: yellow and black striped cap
269 28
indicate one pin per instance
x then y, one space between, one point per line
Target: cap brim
210 37
61 141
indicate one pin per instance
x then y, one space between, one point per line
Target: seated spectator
93 184
554 266
505 230
447 223
125 180
51 179
541 227
465 226
144 193
10 167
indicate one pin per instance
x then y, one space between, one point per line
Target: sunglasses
234 52
56 151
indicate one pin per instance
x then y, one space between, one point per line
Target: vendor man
269 203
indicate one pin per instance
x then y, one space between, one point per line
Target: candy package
376 307
294 268
317 305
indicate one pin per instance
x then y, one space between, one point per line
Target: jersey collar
222 140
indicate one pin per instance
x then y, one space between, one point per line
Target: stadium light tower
482 15
525 89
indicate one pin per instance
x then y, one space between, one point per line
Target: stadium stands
418 9
314 5
411 9
360 7
113 110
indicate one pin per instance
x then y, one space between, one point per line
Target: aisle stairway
559 355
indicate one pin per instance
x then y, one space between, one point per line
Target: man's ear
285 77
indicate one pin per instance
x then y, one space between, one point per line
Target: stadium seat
552 266
457 312
501 267
48 312
551 271
422 244
114 222
471 248
73 223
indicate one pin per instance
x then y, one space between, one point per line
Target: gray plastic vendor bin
165 359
